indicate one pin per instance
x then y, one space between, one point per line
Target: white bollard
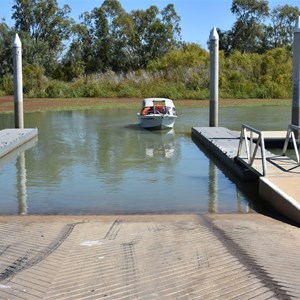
214 79
296 75
18 82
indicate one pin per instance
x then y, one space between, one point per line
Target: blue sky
198 17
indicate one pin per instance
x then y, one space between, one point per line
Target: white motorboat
157 113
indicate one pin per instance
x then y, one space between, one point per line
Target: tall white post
214 79
296 75
18 82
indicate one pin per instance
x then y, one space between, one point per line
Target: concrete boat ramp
279 186
245 256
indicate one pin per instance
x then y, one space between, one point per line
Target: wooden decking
280 185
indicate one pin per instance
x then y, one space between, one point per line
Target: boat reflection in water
160 143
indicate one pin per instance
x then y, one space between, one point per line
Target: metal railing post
290 134
263 154
251 155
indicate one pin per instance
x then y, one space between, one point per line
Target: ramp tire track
113 230
130 268
25 262
249 262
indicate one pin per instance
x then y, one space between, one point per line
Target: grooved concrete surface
149 257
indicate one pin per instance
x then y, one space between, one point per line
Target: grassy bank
60 104
182 74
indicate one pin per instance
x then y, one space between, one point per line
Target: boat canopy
148 102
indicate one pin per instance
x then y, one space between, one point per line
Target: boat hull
156 122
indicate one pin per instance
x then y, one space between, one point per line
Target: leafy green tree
280 32
225 40
187 67
190 55
115 36
247 31
100 38
154 37
93 42
6 40
172 29
109 38
43 27
80 51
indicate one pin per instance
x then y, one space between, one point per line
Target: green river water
102 162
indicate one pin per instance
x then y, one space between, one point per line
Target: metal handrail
252 154
290 134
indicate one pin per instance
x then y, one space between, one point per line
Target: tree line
110 52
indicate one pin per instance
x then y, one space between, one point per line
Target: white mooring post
18 82
296 75
214 79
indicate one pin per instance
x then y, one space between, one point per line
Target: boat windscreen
159 103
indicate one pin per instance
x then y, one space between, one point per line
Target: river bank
53 104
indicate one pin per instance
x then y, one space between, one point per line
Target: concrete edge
23 136
283 203
225 158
